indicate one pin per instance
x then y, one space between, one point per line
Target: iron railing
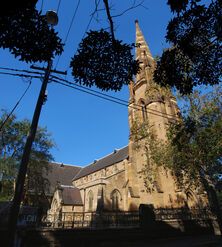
108 219
164 214
92 220
122 219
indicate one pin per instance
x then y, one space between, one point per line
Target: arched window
54 205
144 110
90 200
115 198
191 198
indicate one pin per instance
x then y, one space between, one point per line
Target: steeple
143 54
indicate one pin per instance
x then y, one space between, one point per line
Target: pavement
187 241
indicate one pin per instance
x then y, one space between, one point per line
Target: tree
104 62
195 57
25 32
145 140
12 141
193 149
195 142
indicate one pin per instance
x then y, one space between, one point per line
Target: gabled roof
71 195
60 174
117 156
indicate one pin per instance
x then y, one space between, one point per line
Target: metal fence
92 220
29 217
122 219
164 214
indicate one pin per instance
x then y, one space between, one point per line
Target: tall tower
153 106
148 101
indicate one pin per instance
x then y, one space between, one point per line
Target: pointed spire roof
142 42
143 53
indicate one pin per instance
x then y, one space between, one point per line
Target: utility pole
15 207
52 20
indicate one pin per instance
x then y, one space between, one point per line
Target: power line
21 70
70 26
71 23
57 11
41 5
108 99
87 27
89 89
92 15
109 96
16 105
85 91
102 97
20 75
92 92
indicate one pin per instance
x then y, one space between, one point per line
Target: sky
83 126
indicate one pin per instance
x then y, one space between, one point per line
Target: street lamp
52 17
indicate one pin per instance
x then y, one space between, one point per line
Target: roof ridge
61 163
118 149
77 174
104 159
67 186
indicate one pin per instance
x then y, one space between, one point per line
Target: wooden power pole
15 207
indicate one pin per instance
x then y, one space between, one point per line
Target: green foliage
197 141
146 141
8 8
12 141
219 196
6 190
103 62
177 5
196 54
25 32
193 151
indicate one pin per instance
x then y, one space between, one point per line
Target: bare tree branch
109 18
134 5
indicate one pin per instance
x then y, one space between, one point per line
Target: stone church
116 182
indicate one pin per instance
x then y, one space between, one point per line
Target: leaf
103 63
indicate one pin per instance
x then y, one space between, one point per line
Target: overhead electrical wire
90 20
89 91
21 70
41 8
107 96
71 23
16 105
57 10
69 29
138 108
21 75
87 27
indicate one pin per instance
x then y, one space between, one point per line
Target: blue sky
84 127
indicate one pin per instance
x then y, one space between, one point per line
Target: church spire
143 53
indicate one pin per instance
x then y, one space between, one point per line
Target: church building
117 182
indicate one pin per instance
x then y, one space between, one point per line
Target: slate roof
60 174
71 195
117 156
